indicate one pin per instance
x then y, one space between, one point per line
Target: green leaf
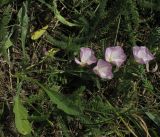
4 34
4 21
62 102
3 2
57 14
21 117
68 45
8 43
61 18
154 117
37 34
63 127
23 20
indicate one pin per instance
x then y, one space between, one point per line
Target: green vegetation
44 93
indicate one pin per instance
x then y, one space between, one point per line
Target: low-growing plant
79 68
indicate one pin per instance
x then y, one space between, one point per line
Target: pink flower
142 55
103 69
87 57
115 55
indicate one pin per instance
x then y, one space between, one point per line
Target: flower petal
115 55
103 69
91 60
77 61
87 56
142 55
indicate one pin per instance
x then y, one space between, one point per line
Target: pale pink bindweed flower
87 57
142 55
103 69
115 55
